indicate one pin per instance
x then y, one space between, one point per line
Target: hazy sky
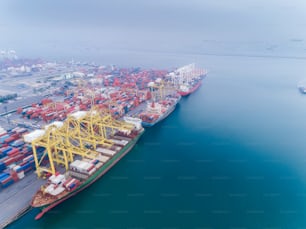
59 27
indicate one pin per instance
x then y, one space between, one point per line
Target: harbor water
232 155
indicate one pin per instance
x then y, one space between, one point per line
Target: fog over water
116 29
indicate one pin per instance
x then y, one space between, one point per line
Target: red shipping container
46 101
34 115
27 153
9 140
16 135
9 161
4 158
18 157
13 152
23 163
6 180
14 176
2 134
67 181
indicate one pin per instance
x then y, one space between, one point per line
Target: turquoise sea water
232 155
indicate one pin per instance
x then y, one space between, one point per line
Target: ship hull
100 172
186 93
302 89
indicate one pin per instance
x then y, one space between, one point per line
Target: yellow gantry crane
156 90
79 135
161 88
52 144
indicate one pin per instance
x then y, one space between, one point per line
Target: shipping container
7 184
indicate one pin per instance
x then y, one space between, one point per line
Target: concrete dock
15 200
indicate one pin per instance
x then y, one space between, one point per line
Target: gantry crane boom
80 135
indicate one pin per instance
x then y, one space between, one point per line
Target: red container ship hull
193 89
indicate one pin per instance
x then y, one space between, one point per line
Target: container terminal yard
37 94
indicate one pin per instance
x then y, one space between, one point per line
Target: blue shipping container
72 185
17 143
3 176
2 167
39 149
6 150
2 139
25 166
19 170
7 184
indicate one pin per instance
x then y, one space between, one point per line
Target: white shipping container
57 124
106 151
84 165
92 171
33 135
119 142
13 130
99 165
11 166
78 114
58 179
75 163
21 130
28 158
20 175
57 190
16 167
89 166
103 158
86 159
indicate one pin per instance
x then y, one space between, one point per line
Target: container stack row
16 157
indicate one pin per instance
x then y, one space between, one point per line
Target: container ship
187 79
302 89
157 111
187 89
86 157
163 102
301 86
